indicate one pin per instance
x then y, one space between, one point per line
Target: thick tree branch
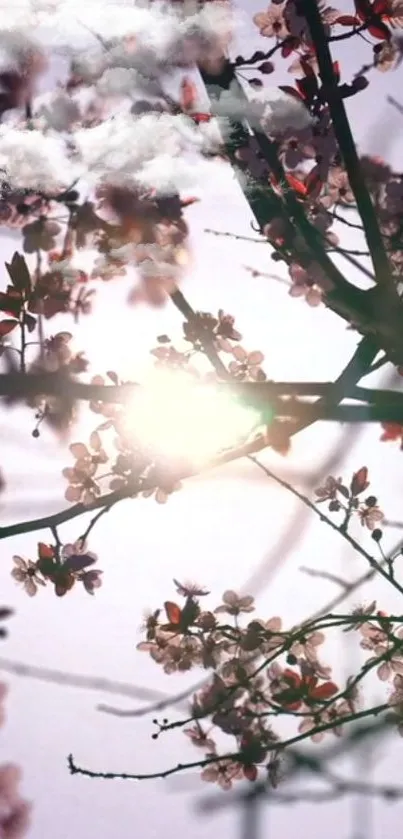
348 151
257 394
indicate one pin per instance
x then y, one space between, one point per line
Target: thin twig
324 518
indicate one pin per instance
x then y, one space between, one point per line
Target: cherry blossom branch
181 767
259 55
346 35
356 367
346 300
324 518
21 385
348 150
129 492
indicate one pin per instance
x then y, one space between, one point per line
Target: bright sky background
223 530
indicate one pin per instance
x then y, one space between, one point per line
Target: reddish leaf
174 613
292 677
188 94
380 31
11 302
336 70
290 44
113 377
197 118
186 202
307 86
297 185
363 9
250 772
19 274
308 70
324 691
30 322
348 20
381 7
313 182
45 551
291 91
63 584
77 562
392 431
7 326
359 481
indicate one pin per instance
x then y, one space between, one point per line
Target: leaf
359 481
290 44
313 182
325 691
11 302
201 117
188 94
19 274
77 562
250 772
255 82
45 551
291 92
7 326
381 7
113 377
297 185
380 31
30 322
363 9
348 20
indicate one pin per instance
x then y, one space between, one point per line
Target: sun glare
179 418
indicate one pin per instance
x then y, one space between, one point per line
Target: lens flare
179 418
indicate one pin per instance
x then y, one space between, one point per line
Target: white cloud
162 151
33 160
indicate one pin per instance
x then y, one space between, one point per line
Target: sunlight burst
179 418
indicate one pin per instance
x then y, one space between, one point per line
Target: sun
179 418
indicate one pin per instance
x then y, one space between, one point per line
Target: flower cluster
249 686
62 567
346 499
262 673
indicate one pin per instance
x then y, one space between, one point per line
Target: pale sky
220 530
